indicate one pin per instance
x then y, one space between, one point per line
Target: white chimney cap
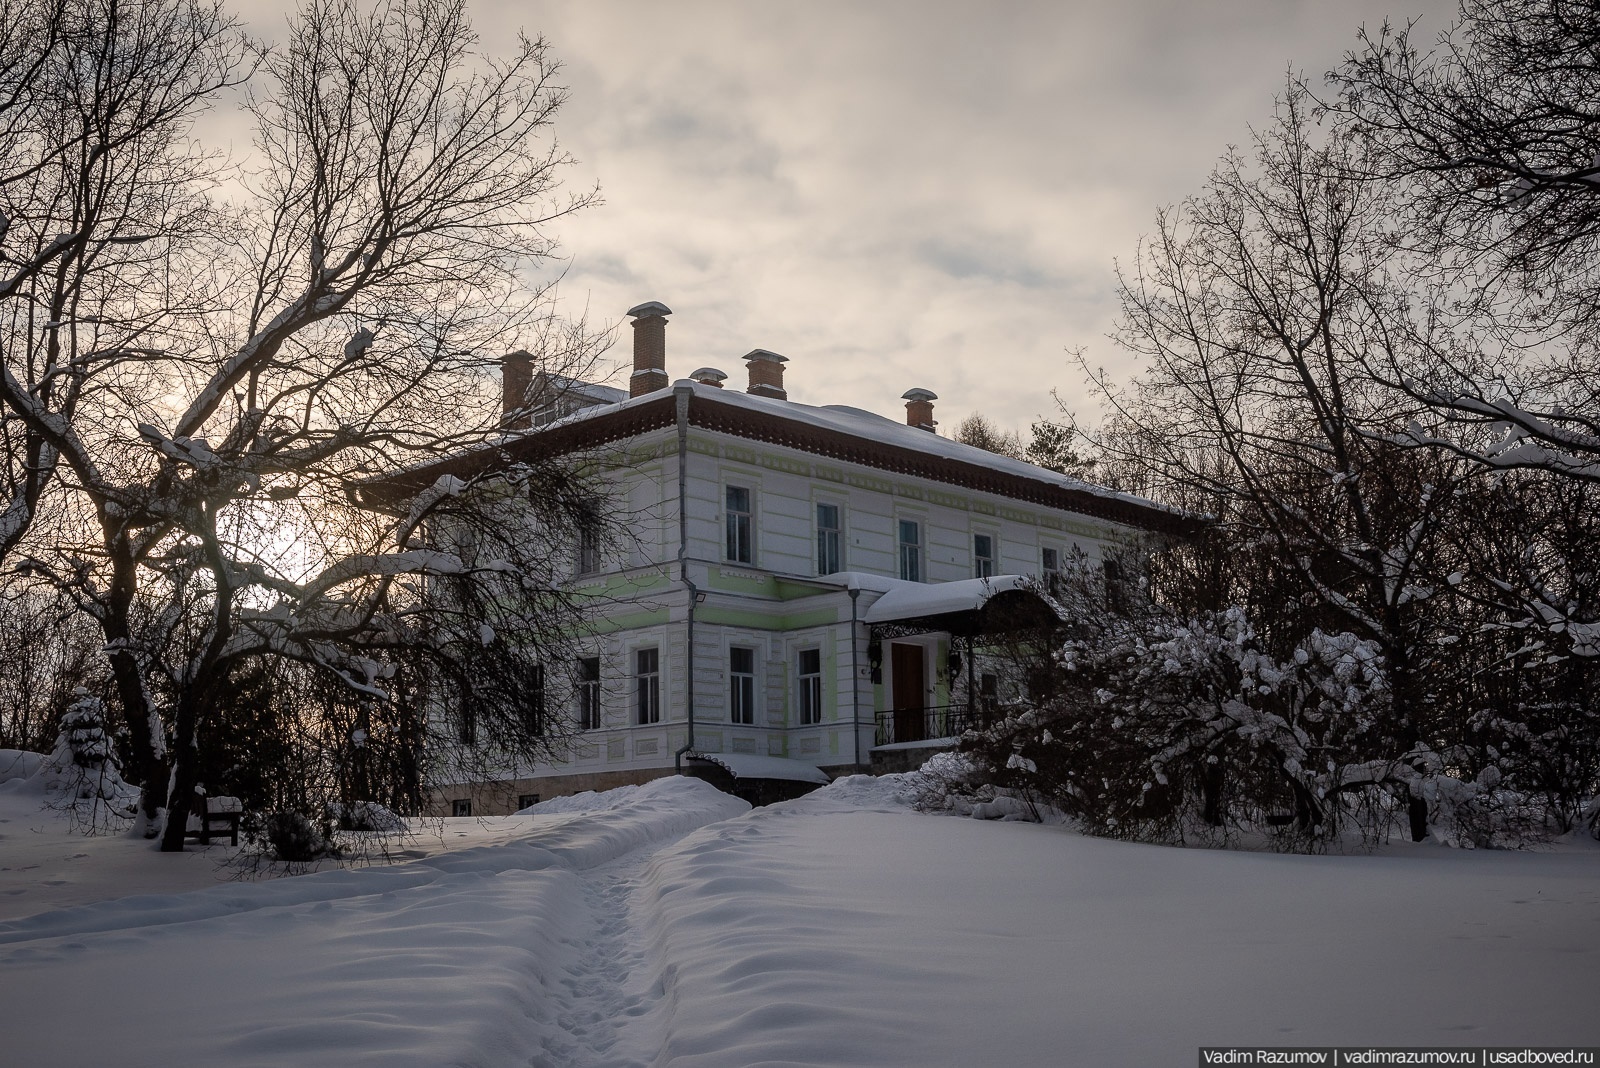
649 307
919 394
763 354
707 374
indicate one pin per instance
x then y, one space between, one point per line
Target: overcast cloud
901 194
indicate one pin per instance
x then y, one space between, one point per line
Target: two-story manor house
801 586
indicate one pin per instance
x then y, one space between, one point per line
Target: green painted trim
718 579
617 585
756 620
629 621
783 463
866 482
794 590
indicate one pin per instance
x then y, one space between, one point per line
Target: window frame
590 713
908 554
738 542
588 560
830 539
983 564
647 685
809 687
741 688
534 712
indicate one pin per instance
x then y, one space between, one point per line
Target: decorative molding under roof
769 424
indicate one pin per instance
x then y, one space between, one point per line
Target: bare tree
1256 307
1493 130
331 322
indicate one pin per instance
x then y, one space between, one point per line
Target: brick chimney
919 408
649 348
766 373
708 376
516 377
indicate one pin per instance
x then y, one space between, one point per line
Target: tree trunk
185 776
149 747
1417 814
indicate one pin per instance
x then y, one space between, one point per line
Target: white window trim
922 547
816 535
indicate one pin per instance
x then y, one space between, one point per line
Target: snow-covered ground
669 925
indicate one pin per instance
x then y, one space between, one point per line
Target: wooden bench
214 816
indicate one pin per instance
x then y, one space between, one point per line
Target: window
589 693
739 547
827 539
1051 560
742 686
988 695
467 720
647 685
526 800
533 708
588 553
461 807
982 556
810 672
910 550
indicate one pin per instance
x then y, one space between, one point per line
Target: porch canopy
757 766
964 608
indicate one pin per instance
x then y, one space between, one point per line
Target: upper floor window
1051 559
828 560
647 684
588 553
910 550
739 525
742 686
982 555
810 675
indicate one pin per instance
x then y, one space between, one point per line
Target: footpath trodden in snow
668 925
464 958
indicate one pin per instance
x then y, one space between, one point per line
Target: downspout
855 674
681 395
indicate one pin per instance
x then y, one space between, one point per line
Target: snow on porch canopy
756 766
967 606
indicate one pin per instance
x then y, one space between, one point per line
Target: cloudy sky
899 194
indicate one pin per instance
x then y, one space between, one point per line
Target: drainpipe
681 395
855 675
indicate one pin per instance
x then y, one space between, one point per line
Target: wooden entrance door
906 676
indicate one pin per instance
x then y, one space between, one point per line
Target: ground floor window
809 670
647 684
589 693
524 800
461 807
742 686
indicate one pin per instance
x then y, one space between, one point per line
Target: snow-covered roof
917 600
562 385
757 766
711 406
860 423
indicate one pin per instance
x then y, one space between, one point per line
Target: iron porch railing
926 724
